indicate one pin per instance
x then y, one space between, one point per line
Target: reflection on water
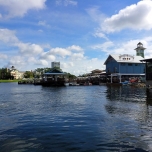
126 93
76 118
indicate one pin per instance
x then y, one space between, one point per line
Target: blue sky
80 34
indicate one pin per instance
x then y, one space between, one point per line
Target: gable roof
146 60
96 70
116 57
54 72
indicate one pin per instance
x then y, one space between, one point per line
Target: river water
74 119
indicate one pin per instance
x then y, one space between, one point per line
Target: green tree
70 76
28 74
39 71
5 74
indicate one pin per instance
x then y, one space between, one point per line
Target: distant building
54 77
55 64
126 65
15 73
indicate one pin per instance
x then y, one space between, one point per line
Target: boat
73 84
125 83
66 84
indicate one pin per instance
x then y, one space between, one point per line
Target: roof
96 70
139 46
54 72
147 60
135 74
116 57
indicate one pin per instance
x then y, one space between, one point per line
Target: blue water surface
74 119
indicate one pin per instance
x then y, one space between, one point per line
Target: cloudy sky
80 34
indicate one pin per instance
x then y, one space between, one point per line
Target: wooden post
120 78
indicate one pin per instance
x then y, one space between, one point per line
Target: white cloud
32 55
35 61
71 51
31 60
58 2
95 14
40 31
3 56
66 2
75 48
29 49
104 46
16 61
60 51
9 37
100 34
43 23
47 56
67 65
41 62
136 17
126 47
69 2
77 56
18 8
82 66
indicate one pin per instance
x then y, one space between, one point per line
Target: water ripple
79 119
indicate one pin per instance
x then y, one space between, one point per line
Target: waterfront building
124 66
54 77
15 73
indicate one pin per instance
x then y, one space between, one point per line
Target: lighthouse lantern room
140 50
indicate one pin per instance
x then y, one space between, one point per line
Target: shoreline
8 81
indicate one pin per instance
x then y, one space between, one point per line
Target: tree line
5 74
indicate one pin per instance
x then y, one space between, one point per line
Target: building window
129 64
123 64
136 64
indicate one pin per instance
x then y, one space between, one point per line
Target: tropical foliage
5 74
28 74
70 76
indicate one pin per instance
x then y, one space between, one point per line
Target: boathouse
55 77
121 67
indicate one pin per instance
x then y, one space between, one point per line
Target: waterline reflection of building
128 101
126 94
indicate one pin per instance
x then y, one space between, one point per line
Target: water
74 119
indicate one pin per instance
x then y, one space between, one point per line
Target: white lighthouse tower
140 50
